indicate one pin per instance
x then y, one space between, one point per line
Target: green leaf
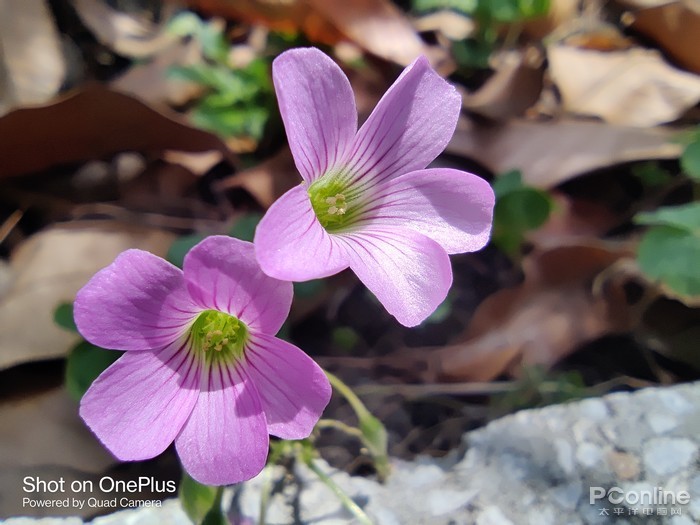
244 228
63 317
670 255
466 7
516 212
690 160
180 246
651 174
345 338
686 217
86 362
507 183
200 501
309 288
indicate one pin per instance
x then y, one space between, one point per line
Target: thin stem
345 391
347 502
339 425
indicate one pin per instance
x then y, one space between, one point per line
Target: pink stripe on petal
409 128
291 244
293 389
452 207
225 440
223 274
139 302
409 273
318 109
139 404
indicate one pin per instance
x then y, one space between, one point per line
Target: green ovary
331 203
219 335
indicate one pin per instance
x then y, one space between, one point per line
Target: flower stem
347 502
373 433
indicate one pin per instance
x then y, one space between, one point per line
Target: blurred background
146 124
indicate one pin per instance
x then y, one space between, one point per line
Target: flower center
330 202
219 335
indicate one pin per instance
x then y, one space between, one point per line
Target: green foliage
86 362
670 250
537 388
519 208
202 503
690 160
345 338
238 101
651 174
474 53
243 228
63 317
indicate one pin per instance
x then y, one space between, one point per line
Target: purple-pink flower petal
225 440
452 207
318 109
139 302
293 389
409 273
409 128
222 274
140 403
291 244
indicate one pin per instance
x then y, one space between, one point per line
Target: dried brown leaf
675 26
378 26
48 269
634 87
266 181
550 153
93 123
124 33
538 323
514 87
32 67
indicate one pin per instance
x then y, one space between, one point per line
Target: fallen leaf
538 323
560 12
267 181
32 67
453 25
124 33
514 87
151 83
378 26
90 124
550 153
634 87
47 270
675 26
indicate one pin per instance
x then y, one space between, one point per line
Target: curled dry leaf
44 436
124 33
378 26
550 153
675 26
634 87
514 87
32 67
48 269
151 83
93 123
267 181
541 321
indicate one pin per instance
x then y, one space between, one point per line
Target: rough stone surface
536 467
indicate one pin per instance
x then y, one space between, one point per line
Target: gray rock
537 467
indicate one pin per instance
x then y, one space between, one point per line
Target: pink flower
202 366
366 202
